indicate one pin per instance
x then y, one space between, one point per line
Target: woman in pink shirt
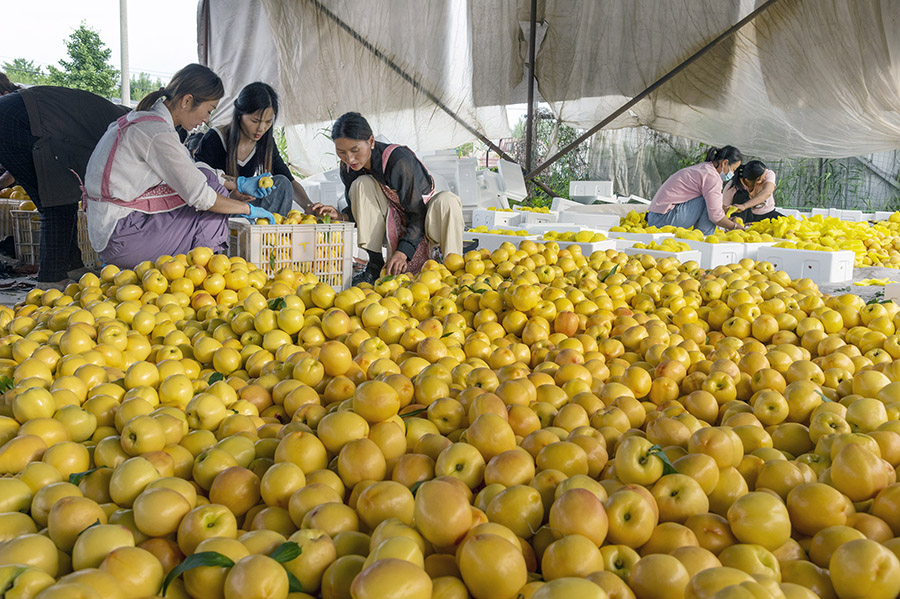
692 197
751 191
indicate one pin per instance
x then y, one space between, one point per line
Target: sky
162 34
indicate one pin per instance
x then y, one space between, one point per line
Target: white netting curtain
806 78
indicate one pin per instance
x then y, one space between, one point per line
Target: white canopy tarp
816 78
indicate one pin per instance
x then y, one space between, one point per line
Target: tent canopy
816 78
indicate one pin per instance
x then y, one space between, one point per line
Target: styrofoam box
789 212
513 180
819 212
751 250
596 220
590 188
537 218
621 244
589 247
882 215
491 241
561 227
853 216
643 237
821 267
495 218
682 257
716 254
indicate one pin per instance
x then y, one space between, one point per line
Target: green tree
24 71
88 67
142 84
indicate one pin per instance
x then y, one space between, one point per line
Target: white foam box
682 257
819 211
821 267
513 180
853 216
536 218
595 220
882 215
590 189
789 212
642 237
491 241
621 244
466 183
892 292
716 254
751 250
495 218
589 247
560 227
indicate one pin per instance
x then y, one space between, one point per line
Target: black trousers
59 252
748 216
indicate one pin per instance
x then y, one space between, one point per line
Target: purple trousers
141 236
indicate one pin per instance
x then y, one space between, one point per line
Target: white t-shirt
149 153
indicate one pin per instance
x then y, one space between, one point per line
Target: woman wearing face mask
145 197
751 191
391 196
246 148
692 197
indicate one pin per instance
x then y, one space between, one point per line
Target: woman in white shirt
752 192
145 196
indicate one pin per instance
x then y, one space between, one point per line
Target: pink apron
159 198
396 221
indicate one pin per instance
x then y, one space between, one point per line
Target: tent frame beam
652 88
416 85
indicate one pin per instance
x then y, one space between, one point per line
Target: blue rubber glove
257 212
250 186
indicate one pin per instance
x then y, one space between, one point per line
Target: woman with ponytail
246 147
692 197
751 191
144 195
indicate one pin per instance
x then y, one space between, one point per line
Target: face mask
726 177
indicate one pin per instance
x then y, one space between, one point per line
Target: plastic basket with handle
324 250
90 257
6 226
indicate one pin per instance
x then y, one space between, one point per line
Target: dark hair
351 125
752 170
195 80
729 153
7 86
254 98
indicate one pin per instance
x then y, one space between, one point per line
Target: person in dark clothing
46 133
246 148
391 195
751 191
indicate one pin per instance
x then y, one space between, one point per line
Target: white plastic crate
324 250
6 226
821 267
716 254
594 220
537 218
89 257
495 218
682 257
492 241
26 226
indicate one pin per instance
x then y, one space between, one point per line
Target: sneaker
366 276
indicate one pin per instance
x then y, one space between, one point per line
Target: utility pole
123 34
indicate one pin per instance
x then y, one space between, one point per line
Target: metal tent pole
529 122
653 87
